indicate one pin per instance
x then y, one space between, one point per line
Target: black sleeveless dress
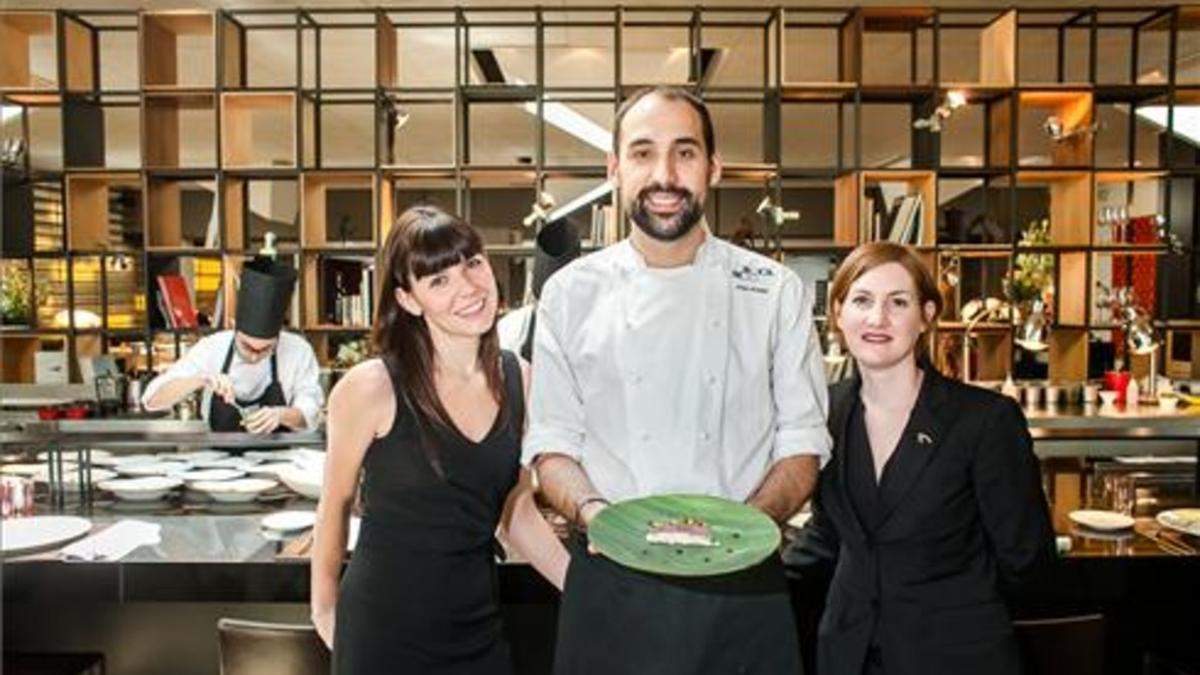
420 595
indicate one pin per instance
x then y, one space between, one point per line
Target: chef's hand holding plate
264 420
222 385
588 510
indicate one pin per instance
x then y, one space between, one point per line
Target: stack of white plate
289 522
306 480
196 475
152 468
147 488
236 491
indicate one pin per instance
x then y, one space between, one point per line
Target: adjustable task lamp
933 124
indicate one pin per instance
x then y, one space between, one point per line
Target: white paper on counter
114 542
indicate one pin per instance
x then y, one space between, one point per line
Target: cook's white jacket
693 379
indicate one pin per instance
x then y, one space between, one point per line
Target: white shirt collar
629 259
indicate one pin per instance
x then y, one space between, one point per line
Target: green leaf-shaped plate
746 536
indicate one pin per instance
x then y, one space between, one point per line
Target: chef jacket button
644 436
716 323
875 604
704 435
712 379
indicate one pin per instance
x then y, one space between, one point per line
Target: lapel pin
924 438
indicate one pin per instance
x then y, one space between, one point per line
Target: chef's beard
669 229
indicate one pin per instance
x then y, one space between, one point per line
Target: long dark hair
426 240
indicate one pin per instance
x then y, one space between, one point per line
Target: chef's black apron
616 621
224 417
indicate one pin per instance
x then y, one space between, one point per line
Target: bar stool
1072 645
257 648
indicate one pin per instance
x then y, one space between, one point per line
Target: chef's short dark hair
670 93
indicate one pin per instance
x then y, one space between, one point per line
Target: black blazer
964 521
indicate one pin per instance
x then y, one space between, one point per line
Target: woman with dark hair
931 507
434 426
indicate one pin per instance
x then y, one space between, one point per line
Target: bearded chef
255 378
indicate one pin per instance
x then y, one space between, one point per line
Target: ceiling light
572 122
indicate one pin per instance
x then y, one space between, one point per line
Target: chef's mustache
683 193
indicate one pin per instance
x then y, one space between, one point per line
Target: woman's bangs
441 244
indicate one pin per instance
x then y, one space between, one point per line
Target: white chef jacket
694 379
296 368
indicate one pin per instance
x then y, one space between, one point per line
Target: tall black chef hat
264 296
557 245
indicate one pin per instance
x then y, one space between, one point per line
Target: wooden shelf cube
89 207
1070 196
181 213
855 213
258 130
178 49
1073 109
179 131
27 39
997 46
337 209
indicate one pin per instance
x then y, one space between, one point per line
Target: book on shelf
175 301
906 223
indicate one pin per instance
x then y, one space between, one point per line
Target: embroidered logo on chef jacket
747 273
924 438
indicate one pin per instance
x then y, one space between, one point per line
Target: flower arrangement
16 293
1032 277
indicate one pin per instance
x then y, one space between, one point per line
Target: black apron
614 620
224 417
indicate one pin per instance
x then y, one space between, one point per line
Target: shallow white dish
210 475
1103 521
197 456
269 470
289 521
20 535
302 480
235 491
71 478
1181 520
1108 398
117 460
30 470
238 463
153 468
147 488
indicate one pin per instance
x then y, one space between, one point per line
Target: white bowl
153 468
305 481
1104 521
289 521
145 489
235 491
117 460
268 470
195 475
238 463
197 456
1108 397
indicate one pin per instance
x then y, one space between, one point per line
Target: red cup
49 412
75 412
1118 381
